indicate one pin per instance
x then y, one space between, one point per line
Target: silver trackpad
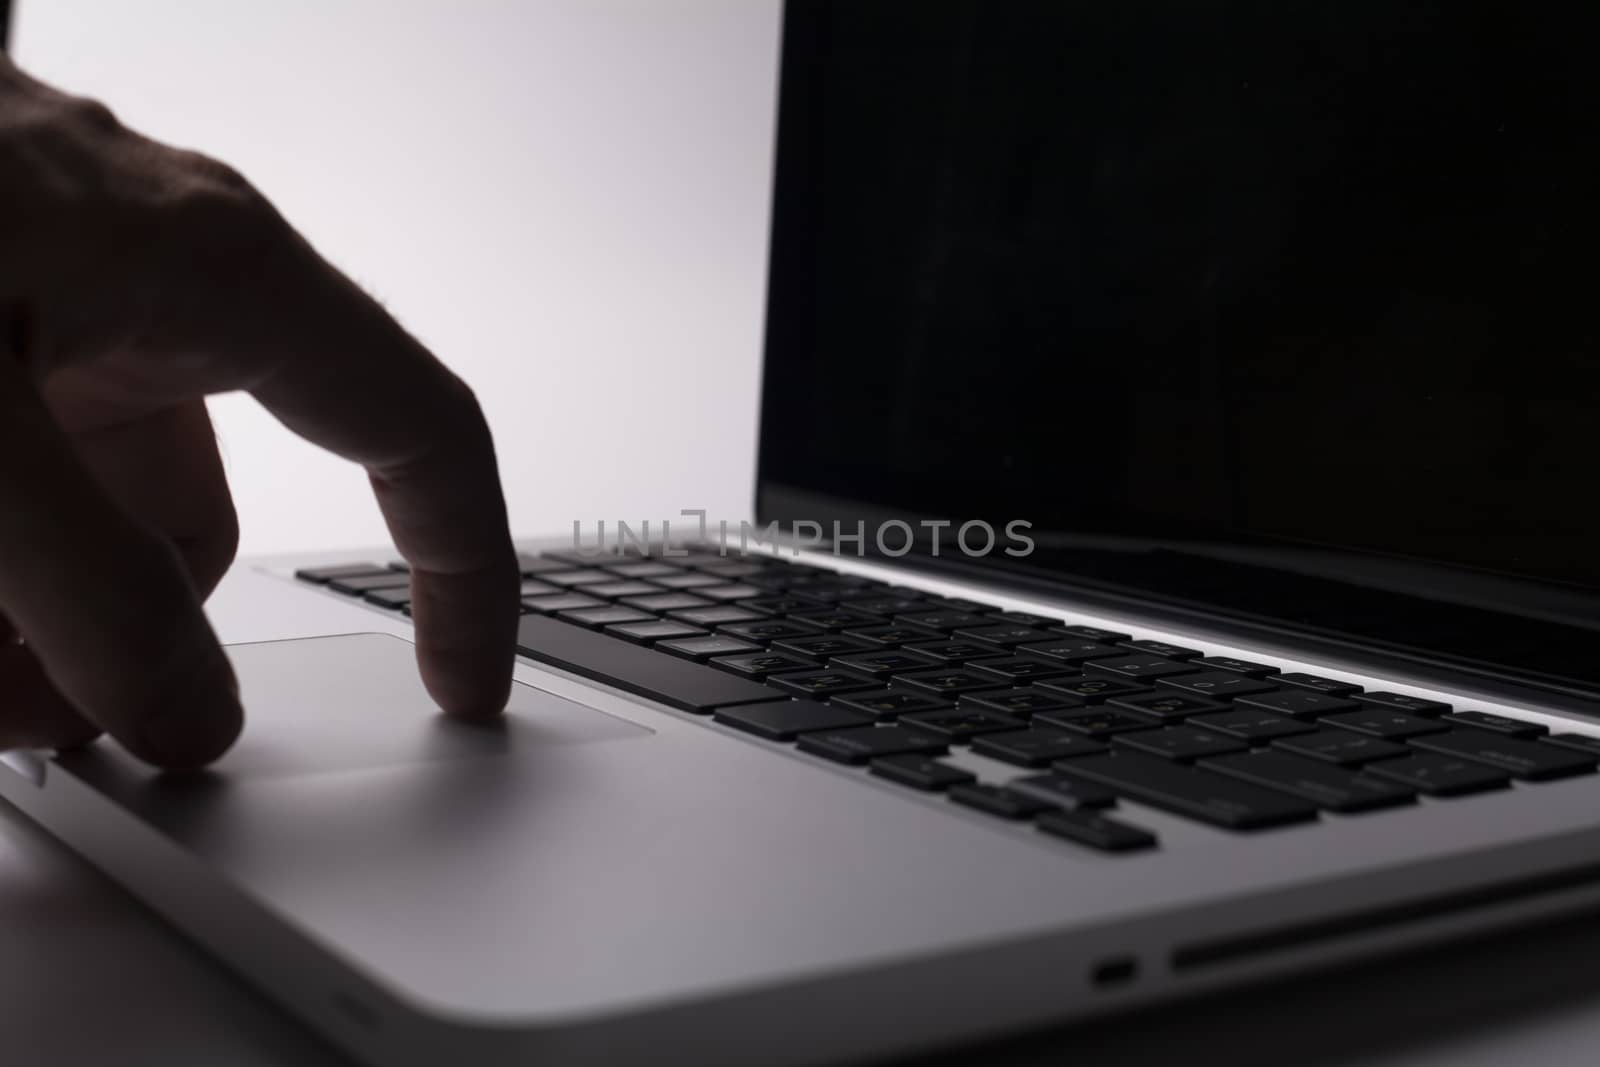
355 701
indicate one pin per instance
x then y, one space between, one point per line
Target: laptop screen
1283 311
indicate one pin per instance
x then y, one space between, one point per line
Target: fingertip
473 689
191 739
197 725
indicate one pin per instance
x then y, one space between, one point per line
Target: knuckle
90 114
219 176
469 416
209 557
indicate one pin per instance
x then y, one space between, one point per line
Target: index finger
334 367
364 389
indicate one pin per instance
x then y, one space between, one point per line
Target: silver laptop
1174 565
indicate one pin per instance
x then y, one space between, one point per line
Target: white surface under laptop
602 875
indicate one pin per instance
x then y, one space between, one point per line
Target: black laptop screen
1200 288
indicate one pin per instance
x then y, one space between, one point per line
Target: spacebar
637 670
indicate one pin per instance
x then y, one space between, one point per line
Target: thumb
105 604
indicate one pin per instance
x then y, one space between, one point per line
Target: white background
566 199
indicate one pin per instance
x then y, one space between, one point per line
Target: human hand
136 279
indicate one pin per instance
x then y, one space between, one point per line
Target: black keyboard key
703 648
818 579
1298 703
957 603
1095 830
1094 690
842 597
698 557
1095 633
882 663
768 629
819 685
1438 775
775 582
324 575
574 579
890 703
533 588
534 565
1182 743
643 633
664 602
889 605
599 618
1167 705
1255 727
1197 794
1341 747
733 569
1136 668
1071 650
943 621
1019 702
834 618
1037 746
716 616
921 772
591 558
1005 635
728 594
356 585
1098 722
1019 670
609 590
956 651
1381 722
1065 792
1329 787
549 605
392 599
1237 666
1528 760
1576 742
781 605
1500 724
1001 802
685 580
1331 686
893 636
1024 618
870 742
643 569
947 681
761 664
1404 702
962 723
782 720
641 671
1162 648
823 646
1219 685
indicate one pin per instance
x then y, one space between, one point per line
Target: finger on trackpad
355 701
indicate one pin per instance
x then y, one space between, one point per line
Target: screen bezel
787 503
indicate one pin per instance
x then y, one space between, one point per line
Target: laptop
1172 566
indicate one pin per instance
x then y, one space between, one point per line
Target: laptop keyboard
861 672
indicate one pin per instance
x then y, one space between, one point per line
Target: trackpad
355 701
